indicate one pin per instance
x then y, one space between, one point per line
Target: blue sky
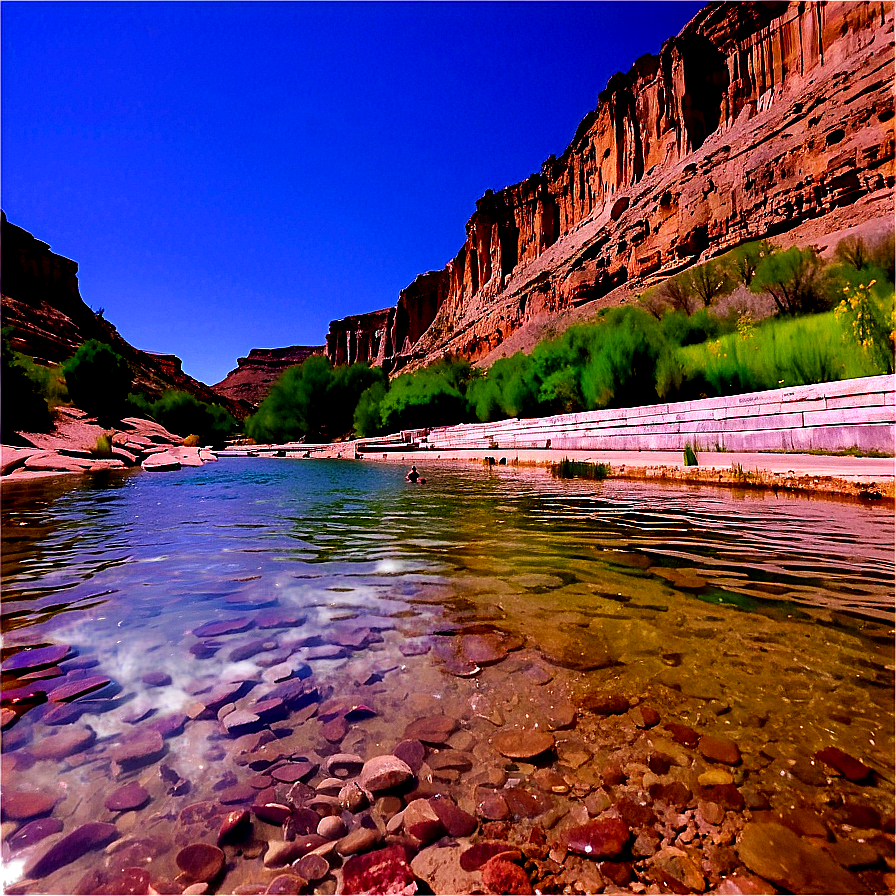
236 175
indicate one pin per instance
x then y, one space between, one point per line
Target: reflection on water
501 598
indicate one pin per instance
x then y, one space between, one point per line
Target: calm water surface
766 620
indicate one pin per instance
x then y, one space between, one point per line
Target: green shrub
680 329
867 313
794 352
23 407
98 380
103 446
622 369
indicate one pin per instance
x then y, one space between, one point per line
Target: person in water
413 475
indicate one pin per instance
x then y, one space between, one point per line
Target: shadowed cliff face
42 303
757 117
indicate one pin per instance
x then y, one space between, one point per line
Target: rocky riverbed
501 774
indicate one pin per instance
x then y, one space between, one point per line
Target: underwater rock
93 835
602 838
384 772
383 871
200 861
23 805
131 796
434 730
501 876
523 744
719 749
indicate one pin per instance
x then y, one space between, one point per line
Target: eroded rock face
755 118
42 303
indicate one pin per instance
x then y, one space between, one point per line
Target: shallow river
232 628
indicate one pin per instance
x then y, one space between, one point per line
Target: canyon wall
42 304
756 118
252 378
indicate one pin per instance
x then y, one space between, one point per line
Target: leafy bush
103 446
623 369
184 414
22 403
509 389
98 380
681 329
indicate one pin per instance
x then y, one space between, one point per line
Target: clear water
775 631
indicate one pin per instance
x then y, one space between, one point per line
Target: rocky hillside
758 118
252 378
42 303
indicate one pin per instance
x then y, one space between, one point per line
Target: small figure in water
413 475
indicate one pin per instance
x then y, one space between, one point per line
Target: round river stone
383 772
131 796
200 861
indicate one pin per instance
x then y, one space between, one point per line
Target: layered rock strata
756 118
252 378
42 303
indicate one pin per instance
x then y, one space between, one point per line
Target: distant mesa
254 375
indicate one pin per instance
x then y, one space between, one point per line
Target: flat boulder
131 796
67 742
846 765
87 837
433 730
78 688
36 657
23 805
161 462
200 861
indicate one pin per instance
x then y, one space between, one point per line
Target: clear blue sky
235 175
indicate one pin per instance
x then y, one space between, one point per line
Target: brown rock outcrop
252 378
41 301
755 118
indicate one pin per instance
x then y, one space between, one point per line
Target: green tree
184 414
313 400
435 395
795 280
368 419
743 260
708 281
98 380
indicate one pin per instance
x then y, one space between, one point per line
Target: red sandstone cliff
252 378
756 118
42 303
